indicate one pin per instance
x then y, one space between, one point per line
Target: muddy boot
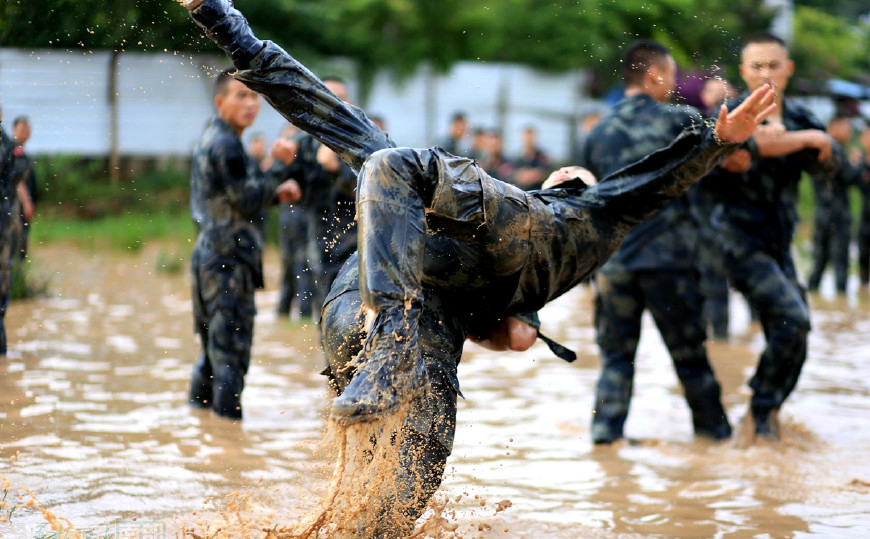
389 370
766 423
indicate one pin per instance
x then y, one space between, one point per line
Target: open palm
738 124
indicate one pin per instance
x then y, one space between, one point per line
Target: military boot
390 368
708 416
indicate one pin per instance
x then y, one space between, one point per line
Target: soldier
399 311
11 183
227 199
833 219
27 192
655 269
862 162
755 219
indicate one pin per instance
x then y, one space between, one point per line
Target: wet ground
93 422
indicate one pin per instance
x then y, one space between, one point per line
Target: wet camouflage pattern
10 176
832 224
674 301
655 269
436 230
636 127
228 198
296 273
756 217
710 261
864 224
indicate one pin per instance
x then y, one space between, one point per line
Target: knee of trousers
386 171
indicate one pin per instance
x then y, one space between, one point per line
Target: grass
127 231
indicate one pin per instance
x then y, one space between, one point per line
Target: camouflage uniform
435 225
10 176
864 224
226 203
756 218
655 269
833 221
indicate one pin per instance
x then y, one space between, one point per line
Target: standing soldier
756 217
862 162
833 219
227 199
27 192
11 179
655 269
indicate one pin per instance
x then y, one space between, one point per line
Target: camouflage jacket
757 209
228 196
11 173
636 127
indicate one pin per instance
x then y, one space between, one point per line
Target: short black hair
639 57
20 119
222 80
764 37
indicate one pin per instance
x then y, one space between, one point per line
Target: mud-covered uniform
832 224
440 236
756 218
863 239
655 269
227 201
10 176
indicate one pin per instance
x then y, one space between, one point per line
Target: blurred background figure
833 218
533 165
456 142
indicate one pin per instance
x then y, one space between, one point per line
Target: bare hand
821 141
739 124
738 161
285 150
565 174
289 191
510 334
190 4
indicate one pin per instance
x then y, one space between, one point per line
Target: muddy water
93 422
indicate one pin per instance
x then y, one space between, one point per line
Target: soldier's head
236 104
21 129
648 67
840 129
764 59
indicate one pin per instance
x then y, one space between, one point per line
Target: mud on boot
390 369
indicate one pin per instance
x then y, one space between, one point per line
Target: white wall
164 99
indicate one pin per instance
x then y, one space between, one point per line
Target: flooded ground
93 422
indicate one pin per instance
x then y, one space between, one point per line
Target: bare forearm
787 142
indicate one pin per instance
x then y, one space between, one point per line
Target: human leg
864 252
619 305
772 290
6 262
821 252
674 300
840 255
428 430
224 312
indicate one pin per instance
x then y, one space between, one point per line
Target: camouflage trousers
673 298
296 272
771 288
223 312
714 283
864 252
8 257
830 243
431 423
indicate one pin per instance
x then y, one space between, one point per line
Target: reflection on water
93 422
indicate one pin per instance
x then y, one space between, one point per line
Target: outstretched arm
739 124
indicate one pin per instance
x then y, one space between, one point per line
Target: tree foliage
400 34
